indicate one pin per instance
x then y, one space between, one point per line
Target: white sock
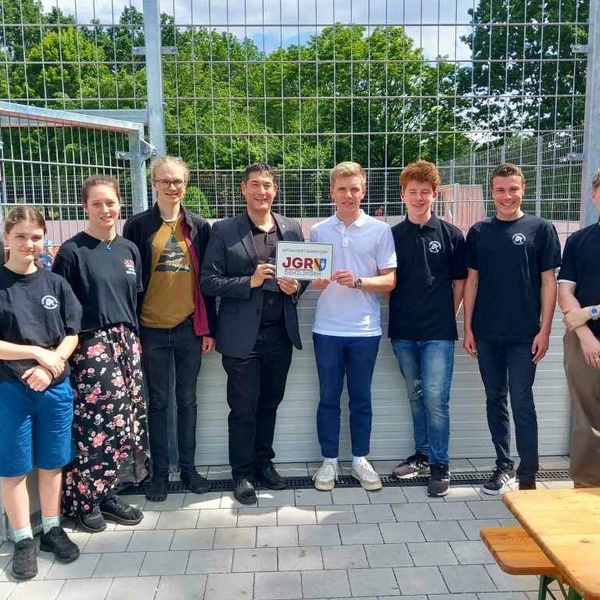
357 459
23 533
330 461
49 522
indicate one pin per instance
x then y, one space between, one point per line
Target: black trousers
161 347
255 388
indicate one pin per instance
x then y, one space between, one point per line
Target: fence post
538 176
154 75
591 132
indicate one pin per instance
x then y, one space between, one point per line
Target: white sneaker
326 476
366 475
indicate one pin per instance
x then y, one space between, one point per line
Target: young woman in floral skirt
109 426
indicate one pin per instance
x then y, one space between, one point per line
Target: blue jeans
161 348
427 370
354 358
508 367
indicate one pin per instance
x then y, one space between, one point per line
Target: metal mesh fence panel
304 85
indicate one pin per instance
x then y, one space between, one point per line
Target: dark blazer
229 263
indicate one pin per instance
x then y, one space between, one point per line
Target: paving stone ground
295 544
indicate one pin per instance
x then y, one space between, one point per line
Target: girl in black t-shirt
39 321
109 426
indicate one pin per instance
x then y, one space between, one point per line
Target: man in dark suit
256 327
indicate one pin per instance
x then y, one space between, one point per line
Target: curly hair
422 171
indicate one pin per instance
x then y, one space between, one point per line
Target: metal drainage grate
345 481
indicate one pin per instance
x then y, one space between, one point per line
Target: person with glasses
176 320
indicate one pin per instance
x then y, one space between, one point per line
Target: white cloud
435 26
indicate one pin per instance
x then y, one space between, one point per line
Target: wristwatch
358 285
593 310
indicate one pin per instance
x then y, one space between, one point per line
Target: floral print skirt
109 423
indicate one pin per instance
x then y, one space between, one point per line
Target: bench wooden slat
515 552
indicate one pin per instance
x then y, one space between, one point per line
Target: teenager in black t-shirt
510 296
39 321
109 427
430 280
579 296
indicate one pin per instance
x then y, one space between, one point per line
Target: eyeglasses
165 184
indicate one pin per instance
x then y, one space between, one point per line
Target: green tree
524 74
196 201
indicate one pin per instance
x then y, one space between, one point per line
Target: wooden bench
517 554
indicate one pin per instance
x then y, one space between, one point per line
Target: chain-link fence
304 85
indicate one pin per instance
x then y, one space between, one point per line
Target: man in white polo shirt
347 330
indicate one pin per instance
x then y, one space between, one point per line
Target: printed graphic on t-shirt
172 257
519 239
434 246
129 266
49 302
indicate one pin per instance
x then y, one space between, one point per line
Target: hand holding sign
263 272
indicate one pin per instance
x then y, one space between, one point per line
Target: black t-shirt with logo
581 266
38 309
105 278
430 257
510 257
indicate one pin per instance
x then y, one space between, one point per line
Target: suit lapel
247 240
282 227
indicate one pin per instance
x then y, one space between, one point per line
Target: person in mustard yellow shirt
176 319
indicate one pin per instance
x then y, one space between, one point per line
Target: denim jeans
354 358
427 370
500 363
161 348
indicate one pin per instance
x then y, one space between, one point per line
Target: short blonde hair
347 169
162 161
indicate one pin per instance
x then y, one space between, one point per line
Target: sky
435 25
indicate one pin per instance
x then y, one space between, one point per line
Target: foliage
346 93
525 75
197 202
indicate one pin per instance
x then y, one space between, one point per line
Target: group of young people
72 379
72 371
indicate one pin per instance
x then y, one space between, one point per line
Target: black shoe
413 466
193 481
158 489
270 477
502 476
243 490
114 509
24 565
527 483
58 542
93 522
439 481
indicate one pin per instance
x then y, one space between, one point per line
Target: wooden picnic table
565 523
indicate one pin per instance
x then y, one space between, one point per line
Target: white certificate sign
304 260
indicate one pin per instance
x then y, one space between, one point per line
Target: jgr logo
518 239
49 302
311 264
434 246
